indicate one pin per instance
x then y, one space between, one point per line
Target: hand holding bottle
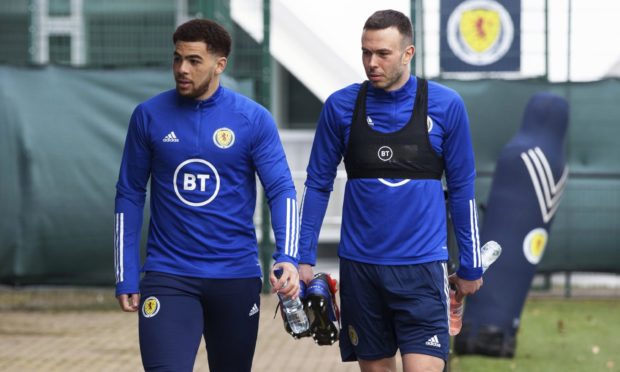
293 310
488 254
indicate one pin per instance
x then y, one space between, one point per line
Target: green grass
563 335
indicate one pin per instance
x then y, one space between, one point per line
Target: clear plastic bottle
488 254
293 310
456 313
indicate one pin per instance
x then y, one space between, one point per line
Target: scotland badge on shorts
223 138
353 336
150 307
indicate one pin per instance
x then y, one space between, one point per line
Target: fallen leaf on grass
610 364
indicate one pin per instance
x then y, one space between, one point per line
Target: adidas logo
433 341
253 310
171 137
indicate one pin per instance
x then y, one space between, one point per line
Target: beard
389 80
197 91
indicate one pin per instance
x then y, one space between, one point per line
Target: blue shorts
176 311
386 308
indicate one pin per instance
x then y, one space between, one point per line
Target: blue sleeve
460 177
313 208
327 152
275 176
129 205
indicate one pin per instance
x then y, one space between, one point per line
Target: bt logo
385 153
189 181
196 182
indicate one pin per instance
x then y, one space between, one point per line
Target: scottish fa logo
223 138
534 245
196 182
150 307
353 335
480 32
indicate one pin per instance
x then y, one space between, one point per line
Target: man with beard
398 134
201 145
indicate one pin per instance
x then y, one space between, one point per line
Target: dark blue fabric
187 308
385 308
514 210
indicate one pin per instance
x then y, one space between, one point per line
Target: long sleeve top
394 221
202 158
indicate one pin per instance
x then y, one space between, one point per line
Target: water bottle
488 254
293 310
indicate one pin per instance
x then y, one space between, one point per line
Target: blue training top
394 221
202 158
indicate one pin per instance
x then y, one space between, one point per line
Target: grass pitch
563 335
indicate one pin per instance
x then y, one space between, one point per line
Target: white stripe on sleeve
477 233
116 246
294 228
119 248
288 228
474 233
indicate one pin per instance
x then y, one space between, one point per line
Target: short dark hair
216 37
383 19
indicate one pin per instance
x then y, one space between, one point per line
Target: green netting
586 231
117 33
14 32
61 137
62 132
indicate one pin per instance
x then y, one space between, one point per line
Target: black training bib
406 153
